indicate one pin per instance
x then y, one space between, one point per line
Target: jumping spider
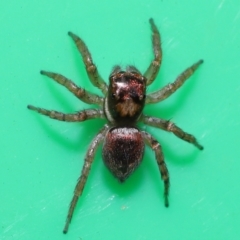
122 106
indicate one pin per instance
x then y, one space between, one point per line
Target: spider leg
79 92
171 127
91 68
84 174
169 89
156 147
153 68
76 117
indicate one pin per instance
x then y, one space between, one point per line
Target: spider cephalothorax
121 105
126 96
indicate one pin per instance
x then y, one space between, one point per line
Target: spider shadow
181 158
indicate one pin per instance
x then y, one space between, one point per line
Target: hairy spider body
123 149
123 146
122 106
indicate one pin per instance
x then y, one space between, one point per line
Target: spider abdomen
123 151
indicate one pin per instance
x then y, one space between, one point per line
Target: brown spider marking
121 105
126 94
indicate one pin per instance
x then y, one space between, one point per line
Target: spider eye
137 97
121 95
115 96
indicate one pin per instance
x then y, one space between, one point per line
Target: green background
41 159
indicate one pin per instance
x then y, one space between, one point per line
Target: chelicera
122 105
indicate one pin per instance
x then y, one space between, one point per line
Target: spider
122 106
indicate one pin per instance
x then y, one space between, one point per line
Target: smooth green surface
41 159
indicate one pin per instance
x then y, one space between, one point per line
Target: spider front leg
156 147
91 68
84 174
76 117
153 69
171 127
79 92
169 89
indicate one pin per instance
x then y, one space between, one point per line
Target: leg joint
91 69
